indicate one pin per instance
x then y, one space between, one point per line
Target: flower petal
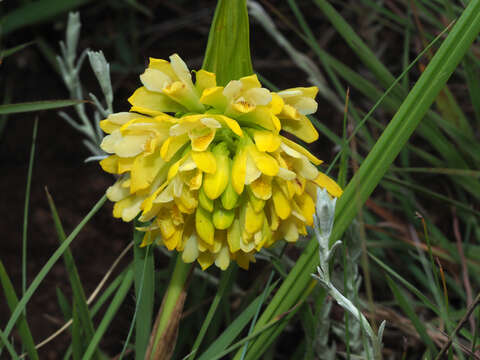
205 161
153 103
326 182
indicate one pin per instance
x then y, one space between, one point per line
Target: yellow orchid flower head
206 168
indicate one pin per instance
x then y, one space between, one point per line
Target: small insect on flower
206 167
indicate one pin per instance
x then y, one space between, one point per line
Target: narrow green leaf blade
36 11
22 325
37 106
410 312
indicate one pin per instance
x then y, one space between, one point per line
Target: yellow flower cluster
215 179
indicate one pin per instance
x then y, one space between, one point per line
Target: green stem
177 283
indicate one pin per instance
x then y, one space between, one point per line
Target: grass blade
26 207
109 314
35 12
410 312
48 266
22 325
37 106
236 327
376 164
145 290
80 299
7 52
224 282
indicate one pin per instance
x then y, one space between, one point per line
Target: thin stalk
176 286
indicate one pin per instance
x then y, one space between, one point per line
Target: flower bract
210 170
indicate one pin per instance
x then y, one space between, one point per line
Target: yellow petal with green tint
253 219
276 104
172 242
250 81
205 201
145 168
214 184
222 218
214 97
230 123
222 259
301 128
127 208
117 192
239 170
152 103
147 239
166 226
190 250
125 164
301 150
233 236
266 141
204 225
205 79
205 259
281 203
201 138
262 187
326 182
182 94
155 80
162 65
170 146
264 162
110 164
229 197
205 161
307 206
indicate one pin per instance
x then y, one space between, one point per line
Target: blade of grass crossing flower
79 297
377 162
410 312
37 106
22 324
228 47
224 282
236 327
110 314
48 266
26 207
145 290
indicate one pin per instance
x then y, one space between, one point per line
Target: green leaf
236 327
228 47
48 266
37 106
7 52
373 168
79 297
224 282
109 314
22 325
64 304
410 312
36 11
145 291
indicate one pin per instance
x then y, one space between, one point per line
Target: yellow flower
215 179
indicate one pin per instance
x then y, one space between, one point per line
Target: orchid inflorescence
206 166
